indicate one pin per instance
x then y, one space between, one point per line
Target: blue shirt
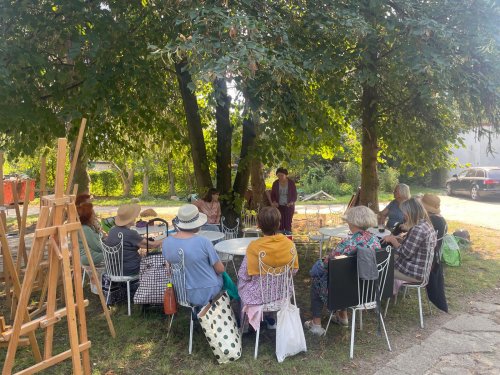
395 215
202 282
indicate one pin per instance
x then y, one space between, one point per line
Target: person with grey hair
359 219
393 212
411 253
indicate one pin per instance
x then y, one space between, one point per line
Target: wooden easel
54 232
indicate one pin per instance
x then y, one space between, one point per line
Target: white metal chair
419 286
249 221
313 223
229 234
113 261
367 300
179 284
276 286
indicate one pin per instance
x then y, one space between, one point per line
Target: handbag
290 338
219 326
154 275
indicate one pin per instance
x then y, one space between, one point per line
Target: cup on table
381 228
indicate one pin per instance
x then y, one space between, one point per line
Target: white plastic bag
290 338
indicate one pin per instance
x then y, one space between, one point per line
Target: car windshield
494 174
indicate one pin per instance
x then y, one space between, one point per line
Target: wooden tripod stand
58 223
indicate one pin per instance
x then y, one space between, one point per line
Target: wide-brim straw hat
431 203
188 217
127 213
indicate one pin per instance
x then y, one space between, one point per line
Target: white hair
361 217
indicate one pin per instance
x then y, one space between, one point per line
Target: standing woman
283 197
210 206
393 212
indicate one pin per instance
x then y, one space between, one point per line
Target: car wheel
449 190
474 193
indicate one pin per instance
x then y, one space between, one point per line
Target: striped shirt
413 250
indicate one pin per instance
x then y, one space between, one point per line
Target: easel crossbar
53 360
51 231
41 322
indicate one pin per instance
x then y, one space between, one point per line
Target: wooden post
2 196
15 195
21 250
75 154
43 178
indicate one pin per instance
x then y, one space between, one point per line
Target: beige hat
188 217
126 214
431 203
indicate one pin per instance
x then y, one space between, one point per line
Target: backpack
450 251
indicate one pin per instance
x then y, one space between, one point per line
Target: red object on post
8 190
169 302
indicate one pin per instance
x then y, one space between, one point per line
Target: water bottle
169 302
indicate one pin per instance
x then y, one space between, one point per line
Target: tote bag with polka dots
219 325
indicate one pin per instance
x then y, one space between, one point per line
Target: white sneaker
315 329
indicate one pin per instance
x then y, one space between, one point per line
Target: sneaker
315 329
341 322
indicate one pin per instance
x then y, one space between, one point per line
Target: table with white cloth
211 235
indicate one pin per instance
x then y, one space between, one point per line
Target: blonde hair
361 217
414 211
404 191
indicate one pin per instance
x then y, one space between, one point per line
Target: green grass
141 346
147 201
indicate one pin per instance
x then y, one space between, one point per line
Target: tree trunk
171 179
129 180
81 176
195 131
258 185
369 117
224 136
145 183
369 177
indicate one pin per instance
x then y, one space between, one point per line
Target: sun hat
188 217
126 214
431 203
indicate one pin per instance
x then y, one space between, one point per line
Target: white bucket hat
188 217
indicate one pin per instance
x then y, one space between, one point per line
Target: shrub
105 183
346 189
352 173
388 178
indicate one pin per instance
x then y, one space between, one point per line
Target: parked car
476 182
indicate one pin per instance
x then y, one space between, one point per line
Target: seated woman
411 252
87 218
279 252
132 241
202 266
359 219
210 206
392 212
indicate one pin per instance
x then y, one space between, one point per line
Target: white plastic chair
229 234
179 284
367 300
276 286
113 261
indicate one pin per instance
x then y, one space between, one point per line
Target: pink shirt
211 209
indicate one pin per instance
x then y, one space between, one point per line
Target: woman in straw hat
432 205
202 266
132 241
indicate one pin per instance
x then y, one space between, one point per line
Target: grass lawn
141 346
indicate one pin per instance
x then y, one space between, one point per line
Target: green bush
352 173
105 183
346 189
388 179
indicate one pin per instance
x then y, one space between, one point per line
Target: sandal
315 329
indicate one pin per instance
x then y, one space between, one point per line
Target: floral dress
348 246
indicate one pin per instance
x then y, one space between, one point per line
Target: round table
375 231
236 246
340 232
211 235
